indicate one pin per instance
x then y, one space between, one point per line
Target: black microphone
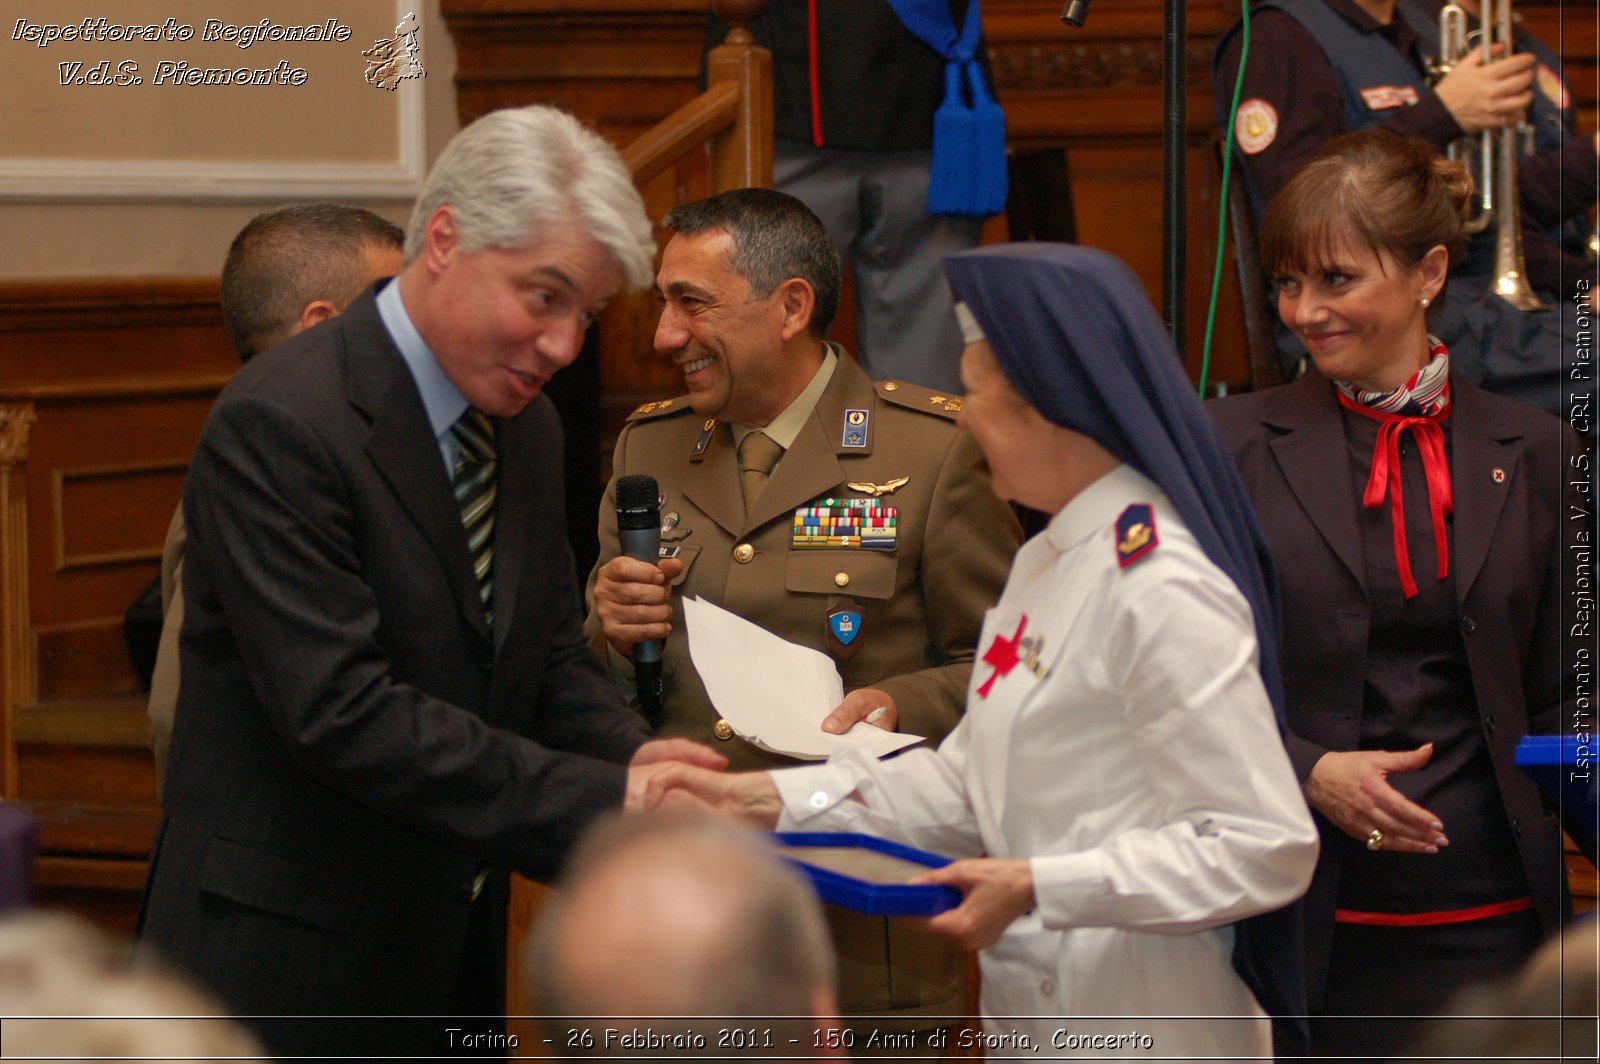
1075 12
639 532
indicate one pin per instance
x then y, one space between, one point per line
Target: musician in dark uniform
1319 68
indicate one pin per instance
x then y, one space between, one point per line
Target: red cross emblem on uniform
1002 654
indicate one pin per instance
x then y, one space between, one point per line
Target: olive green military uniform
921 604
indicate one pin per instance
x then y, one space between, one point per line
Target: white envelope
772 692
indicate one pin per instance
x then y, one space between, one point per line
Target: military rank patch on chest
1136 533
835 523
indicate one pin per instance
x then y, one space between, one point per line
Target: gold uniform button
841 579
722 730
891 387
743 553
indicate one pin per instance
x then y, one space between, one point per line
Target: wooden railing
733 115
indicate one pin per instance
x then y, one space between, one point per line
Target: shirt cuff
811 792
1071 890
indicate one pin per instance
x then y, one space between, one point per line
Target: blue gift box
860 895
1564 767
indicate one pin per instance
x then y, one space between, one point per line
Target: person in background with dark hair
287 270
748 285
295 266
694 920
1420 528
1126 823
1320 68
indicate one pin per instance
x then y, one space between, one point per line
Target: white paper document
774 693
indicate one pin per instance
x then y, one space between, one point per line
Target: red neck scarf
1419 410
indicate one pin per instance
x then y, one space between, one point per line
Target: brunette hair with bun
1374 187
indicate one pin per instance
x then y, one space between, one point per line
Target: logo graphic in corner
389 62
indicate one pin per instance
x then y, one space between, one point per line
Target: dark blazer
1510 547
353 744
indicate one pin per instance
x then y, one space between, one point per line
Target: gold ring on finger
1375 840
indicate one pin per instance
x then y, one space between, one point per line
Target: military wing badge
875 490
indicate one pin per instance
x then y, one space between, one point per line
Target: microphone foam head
638 492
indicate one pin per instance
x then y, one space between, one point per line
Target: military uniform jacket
921 604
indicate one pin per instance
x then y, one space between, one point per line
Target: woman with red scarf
1421 532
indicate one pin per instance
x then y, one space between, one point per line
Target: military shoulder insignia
888 487
659 407
1136 533
1554 89
1388 97
702 441
915 397
857 432
1255 126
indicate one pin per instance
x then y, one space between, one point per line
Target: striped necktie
474 485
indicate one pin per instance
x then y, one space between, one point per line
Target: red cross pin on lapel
1002 654
1499 475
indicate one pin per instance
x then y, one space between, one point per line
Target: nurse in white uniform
1118 795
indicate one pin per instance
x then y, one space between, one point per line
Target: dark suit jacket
1511 535
353 743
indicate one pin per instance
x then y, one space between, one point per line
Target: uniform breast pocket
861 574
831 583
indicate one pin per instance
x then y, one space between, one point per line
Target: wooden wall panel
109 514
104 476
117 378
137 333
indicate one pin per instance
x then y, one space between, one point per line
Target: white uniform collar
1098 506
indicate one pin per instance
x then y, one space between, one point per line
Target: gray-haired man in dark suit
387 703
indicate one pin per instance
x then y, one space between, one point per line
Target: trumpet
1491 156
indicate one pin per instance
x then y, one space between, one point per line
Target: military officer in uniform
781 448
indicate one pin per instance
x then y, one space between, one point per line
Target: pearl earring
1424 302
